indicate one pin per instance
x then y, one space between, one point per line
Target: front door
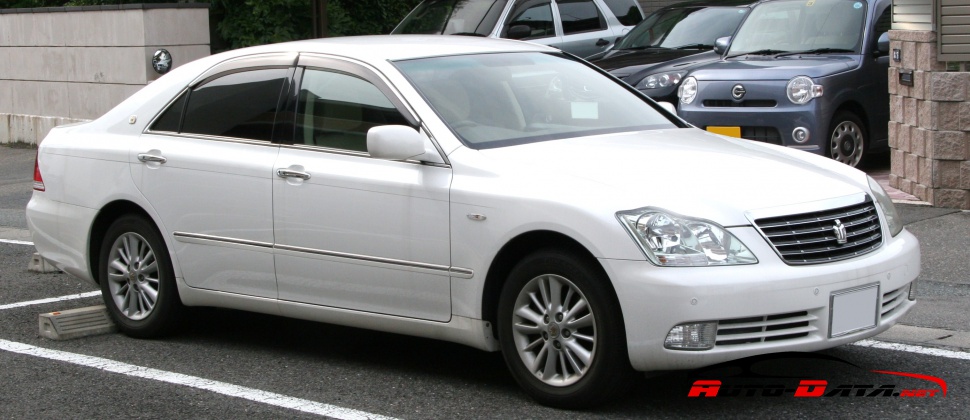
352 231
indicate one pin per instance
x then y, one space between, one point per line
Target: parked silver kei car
493 193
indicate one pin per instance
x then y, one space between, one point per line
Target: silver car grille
892 299
824 236
766 328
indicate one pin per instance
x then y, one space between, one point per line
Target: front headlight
668 239
687 90
802 89
660 80
887 206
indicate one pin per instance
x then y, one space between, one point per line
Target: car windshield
799 25
452 17
683 27
496 100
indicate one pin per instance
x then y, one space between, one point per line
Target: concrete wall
69 64
929 128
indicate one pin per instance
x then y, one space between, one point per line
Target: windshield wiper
758 52
817 51
694 47
468 34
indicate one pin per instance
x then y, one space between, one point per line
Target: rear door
206 165
584 28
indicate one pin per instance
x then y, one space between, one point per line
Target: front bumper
773 124
655 299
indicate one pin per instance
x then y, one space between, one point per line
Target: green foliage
242 23
350 17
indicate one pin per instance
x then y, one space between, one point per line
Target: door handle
145 157
289 173
601 42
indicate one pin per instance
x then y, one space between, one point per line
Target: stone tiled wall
62 65
929 128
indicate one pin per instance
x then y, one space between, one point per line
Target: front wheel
137 280
847 139
561 332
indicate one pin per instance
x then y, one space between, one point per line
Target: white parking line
11 241
49 300
223 388
929 351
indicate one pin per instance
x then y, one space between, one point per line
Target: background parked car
808 75
657 54
580 27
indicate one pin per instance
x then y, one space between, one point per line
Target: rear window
240 105
626 11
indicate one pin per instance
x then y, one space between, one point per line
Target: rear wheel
137 280
847 139
561 332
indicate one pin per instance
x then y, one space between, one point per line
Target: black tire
607 374
848 141
139 289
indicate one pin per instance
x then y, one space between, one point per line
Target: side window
580 16
336 109
884 22
171 118
537 15
241 105
626 11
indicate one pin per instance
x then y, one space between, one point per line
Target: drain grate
75 323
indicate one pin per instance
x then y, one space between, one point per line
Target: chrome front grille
814 238
892 299
760 329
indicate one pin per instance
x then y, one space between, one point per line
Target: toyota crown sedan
493 193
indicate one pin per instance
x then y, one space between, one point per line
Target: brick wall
929 128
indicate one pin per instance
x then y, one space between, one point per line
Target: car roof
397 47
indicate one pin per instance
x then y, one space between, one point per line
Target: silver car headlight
802 89
687 90
887 206
660 80
668 239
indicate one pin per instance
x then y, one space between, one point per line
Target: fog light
800 135
695 336
912 290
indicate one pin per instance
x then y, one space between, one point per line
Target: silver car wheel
133 277
847 143
554 331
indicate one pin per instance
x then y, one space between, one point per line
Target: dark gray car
811 75
657 53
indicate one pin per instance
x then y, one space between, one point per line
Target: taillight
38 180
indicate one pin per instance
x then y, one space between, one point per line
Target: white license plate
853 310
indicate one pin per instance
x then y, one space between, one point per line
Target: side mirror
394 142
721 44
519 32
882 44
668 106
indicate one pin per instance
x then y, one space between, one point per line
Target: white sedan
492 193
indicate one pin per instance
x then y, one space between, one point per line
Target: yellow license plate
727 131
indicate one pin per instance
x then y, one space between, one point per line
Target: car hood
781 68
686 171
623 63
